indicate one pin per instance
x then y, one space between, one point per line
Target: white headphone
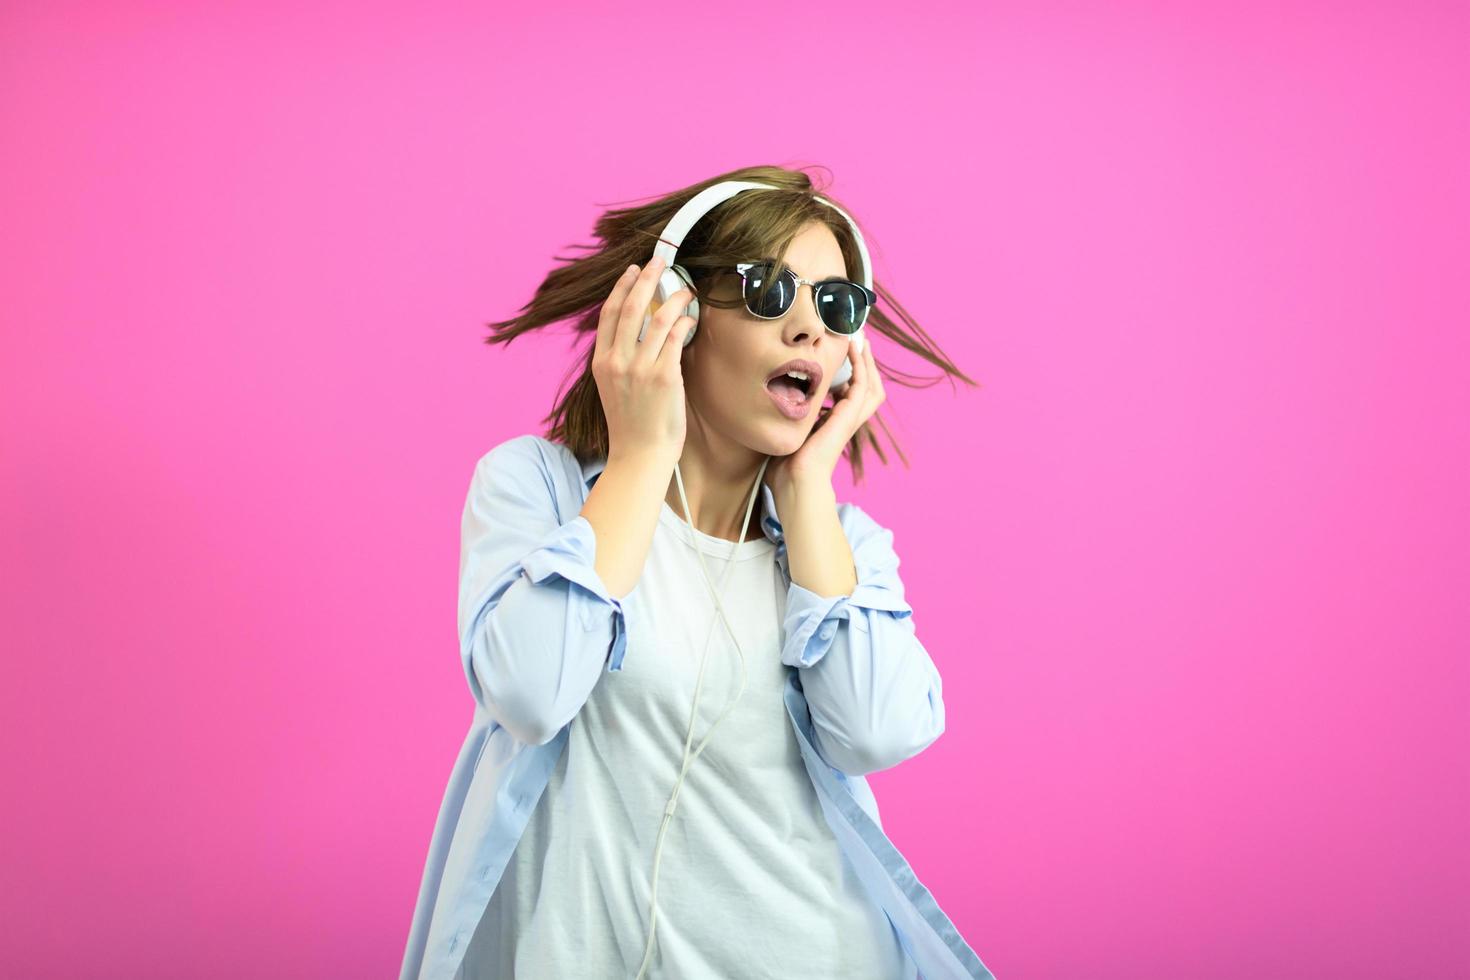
673 279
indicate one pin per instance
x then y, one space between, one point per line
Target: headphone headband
706 200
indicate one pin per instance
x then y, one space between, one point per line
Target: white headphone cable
698 684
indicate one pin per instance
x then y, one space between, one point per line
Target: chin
782 440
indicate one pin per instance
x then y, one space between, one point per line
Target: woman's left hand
816 461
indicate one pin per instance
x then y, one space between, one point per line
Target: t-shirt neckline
751 547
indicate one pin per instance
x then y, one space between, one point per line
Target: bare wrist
643 459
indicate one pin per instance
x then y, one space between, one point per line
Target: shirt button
826 631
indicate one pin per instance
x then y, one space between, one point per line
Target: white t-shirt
751 881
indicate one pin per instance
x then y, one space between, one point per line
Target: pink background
1193 562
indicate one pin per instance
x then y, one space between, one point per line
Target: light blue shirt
537 628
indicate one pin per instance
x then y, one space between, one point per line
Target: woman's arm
876 697
537 622
623 509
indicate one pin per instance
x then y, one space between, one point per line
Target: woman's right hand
640 382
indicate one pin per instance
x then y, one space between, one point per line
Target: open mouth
792 395
796 389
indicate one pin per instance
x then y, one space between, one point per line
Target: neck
718 480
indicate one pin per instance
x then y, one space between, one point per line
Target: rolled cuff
812 621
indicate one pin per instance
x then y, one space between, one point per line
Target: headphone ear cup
843 375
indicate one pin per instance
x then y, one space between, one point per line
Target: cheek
733 363
709 386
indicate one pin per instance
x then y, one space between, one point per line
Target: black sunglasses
843 305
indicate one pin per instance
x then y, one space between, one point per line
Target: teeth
798 375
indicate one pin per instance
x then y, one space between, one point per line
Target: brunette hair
761 224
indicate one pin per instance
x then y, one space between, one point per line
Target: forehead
815 254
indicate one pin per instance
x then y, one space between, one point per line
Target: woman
587 553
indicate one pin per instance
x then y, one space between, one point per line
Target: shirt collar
770 521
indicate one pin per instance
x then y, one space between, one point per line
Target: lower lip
794 410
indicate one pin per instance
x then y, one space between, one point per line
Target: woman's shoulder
527 455
527 446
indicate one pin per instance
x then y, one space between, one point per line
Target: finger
856 396
673 349
859 374
862 385
652 344
847 403
875 379
840 393
607 318
635 308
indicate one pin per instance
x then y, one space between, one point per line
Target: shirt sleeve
875 696
537 624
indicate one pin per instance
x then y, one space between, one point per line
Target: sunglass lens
768 298
843 306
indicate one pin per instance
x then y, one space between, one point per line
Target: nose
802 325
